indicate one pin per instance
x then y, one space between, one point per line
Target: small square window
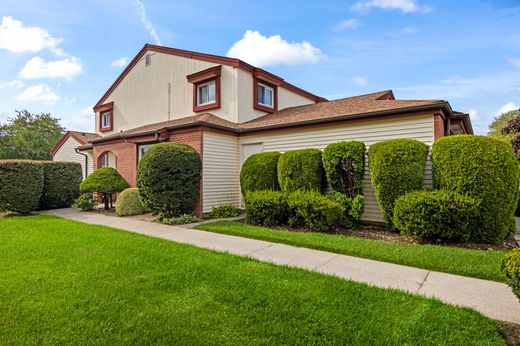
105 120
142 150
265 95
206 93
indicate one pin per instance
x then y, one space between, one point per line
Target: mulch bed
510 332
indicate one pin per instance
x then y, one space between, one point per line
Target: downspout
86 161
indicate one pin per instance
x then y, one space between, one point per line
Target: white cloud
87 112
260 50
16 37
514 62
39 93
359 80
473 114
406 6
508 107
352 23
12 84
121 62
38 68
148 25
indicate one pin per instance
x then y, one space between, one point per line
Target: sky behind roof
61 56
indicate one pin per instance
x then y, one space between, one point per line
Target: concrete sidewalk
492 299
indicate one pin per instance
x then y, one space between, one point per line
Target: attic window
147 59
106 117
206 88
265 96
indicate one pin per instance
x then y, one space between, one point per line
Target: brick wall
439 127
126 158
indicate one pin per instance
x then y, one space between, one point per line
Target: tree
29 136
512 130
105 180
499 123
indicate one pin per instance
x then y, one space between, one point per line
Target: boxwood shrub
484 168
396 167
222 211
129 203
344 165
510 266
60 184
85 202
311 209
21 185
168 178
259 172
266 207
354 207
436 215
106 181
301 170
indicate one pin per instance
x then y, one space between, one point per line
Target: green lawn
64 282
484 264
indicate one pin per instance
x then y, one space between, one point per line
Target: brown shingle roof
85 137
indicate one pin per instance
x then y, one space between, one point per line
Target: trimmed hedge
315 211
61 182
396 167
484 168
301 170
222 211
168 178
129 203
105 180
510 266
265 207
344 165
260 172
21 185
436 215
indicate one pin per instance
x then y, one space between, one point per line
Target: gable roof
204 57
81 137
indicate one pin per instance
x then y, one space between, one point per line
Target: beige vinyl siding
288 99
419 127
220 171
67 152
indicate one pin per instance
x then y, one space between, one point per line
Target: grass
65 282
483 264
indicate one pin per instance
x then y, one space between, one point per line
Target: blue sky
61 56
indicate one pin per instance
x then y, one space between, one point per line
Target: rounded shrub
85 202
129 203
168 178
259 172
484 168
436 215
105 180
344 165
21 185
510 266
396 167
311 209
61 182
266 207
301 170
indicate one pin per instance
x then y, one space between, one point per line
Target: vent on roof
147 59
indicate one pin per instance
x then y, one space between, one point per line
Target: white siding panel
419 127
67 152
220 171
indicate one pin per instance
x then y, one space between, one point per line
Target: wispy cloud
12 84
352 23
359 80
406 6
514 61
39 93
148 25
121 62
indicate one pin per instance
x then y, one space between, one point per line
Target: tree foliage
511 131
29 136
499 123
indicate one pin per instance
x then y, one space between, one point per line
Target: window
106 116
103 160
265 95
105 120
206 93
206 88
142 150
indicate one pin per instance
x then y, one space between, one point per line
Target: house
66 150
228 110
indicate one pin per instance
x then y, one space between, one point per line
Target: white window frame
266 88
105 115
140 153
104 162
199 86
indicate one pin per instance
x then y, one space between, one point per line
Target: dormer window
106 117
265 95
206 93
206 88
106 120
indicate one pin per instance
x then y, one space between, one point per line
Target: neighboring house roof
364 106
82 138
205 57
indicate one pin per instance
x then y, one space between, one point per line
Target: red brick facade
439 126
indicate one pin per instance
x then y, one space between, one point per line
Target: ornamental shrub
510 266
60 184
180 220
168 178
21 185
266 207
436 215
259 172
85 202
484 168
353 206
301 170
129 203
311 209
344 165
396 167
222 211
105 180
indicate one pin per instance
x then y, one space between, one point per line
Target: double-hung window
106 120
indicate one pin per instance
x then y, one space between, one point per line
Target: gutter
86 161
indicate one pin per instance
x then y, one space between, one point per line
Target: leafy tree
29 136
499 123
512 130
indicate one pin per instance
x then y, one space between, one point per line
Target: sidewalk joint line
324 264
421 284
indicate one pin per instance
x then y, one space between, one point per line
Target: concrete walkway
492 299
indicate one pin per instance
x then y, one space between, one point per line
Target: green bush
60 184
315 211
510 266
344 165
21 185
301 170
222 211
353 206
436 215
396 167
168 178
265 207
84 202
484 168
129 203
180 220
105 180
259 172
